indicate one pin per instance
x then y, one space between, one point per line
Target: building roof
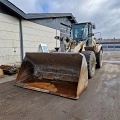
109 41
20 13
51 15
13 8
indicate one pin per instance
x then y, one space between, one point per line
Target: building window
110 46
104 46
117 46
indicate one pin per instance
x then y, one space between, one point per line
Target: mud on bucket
63 74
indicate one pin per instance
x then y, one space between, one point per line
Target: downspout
21 40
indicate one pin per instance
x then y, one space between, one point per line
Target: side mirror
93 26
57 37
67 39
90 34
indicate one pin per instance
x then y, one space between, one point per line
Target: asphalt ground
100 101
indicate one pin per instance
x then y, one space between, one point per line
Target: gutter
13 8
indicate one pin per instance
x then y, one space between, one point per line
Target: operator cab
81 32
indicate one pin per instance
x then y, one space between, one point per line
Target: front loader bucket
63 74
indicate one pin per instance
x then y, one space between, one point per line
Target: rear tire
99 57
91 62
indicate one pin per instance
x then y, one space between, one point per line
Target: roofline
13 8
28 17
50 15
109 42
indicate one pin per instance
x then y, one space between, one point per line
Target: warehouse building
21 33
110 44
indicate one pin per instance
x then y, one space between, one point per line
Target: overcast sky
104 13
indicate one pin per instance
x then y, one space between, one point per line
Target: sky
104 13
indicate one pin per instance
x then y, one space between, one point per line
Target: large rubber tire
91 62
99 57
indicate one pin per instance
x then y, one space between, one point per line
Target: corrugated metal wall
53 23
57 23
64 30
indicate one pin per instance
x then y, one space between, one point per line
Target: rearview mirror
93 26
57 37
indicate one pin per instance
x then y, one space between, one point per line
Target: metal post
21 39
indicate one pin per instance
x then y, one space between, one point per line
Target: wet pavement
100 101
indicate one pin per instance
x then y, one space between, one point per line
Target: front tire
99 57
91 62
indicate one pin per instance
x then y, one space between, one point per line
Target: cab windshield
80 32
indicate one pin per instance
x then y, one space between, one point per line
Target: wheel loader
65 70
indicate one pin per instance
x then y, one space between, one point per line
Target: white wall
35 34
9 39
